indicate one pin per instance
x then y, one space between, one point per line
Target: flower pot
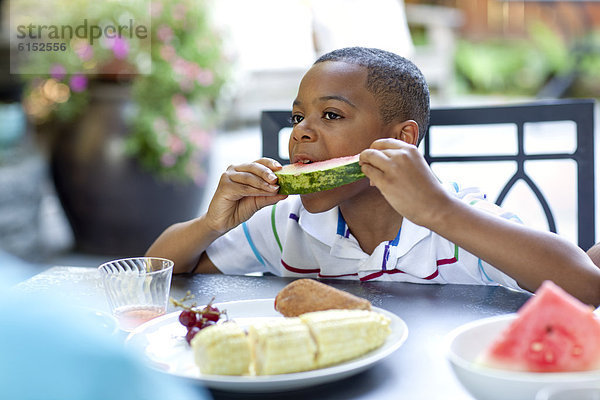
114 206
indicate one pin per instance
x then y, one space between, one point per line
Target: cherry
211 309
191 333
211 313
195 319
188 318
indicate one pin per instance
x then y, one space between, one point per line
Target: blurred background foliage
523 48
519 66
176 73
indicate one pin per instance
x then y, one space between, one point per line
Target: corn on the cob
345 334
284 345
281 346
222 349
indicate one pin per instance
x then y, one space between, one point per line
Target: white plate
162 343
466 342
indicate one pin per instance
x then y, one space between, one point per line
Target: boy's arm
242 190
529 256
184 243
594 253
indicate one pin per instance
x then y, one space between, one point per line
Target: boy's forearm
594 254
184 243
529 256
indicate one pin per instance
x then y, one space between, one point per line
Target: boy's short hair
398 85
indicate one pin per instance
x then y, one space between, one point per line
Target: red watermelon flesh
553 332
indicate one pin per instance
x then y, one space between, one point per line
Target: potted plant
127 112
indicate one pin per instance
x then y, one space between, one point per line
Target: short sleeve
232 253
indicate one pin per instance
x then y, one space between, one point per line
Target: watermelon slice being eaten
553 332
302 178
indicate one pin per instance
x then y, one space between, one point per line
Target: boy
594 253
399 223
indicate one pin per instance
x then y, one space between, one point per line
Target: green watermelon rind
317 181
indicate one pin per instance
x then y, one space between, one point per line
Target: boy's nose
302 132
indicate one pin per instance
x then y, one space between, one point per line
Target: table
418 370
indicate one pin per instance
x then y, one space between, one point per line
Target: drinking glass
137 289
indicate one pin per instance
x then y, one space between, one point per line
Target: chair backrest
521 123
522 119
272 126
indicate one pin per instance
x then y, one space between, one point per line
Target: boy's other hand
243 189
402 175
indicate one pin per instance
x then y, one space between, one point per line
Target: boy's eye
331 115
296 119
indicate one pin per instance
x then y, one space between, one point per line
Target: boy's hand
402 175
243 190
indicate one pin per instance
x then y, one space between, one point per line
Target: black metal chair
581 112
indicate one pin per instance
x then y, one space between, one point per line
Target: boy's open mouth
302 159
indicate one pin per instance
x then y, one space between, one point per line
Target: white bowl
568 392
466 342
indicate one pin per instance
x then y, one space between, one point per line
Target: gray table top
418 370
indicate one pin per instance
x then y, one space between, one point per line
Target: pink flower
186 85
168 160
183 110
187 68
165 33
178 100
176 145
58 72
185 114
186 73
179 11
156 8
120 48
84 51
205 77
78 83
201 138
167 52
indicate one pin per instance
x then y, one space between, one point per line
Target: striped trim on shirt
251 243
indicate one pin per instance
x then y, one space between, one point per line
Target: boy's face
334 115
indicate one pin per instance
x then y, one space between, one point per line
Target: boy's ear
407 131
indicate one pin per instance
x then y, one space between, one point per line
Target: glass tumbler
137 289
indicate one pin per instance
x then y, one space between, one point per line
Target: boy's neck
371 220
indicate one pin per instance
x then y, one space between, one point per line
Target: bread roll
308 295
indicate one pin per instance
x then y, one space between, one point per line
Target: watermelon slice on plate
553 332
302 178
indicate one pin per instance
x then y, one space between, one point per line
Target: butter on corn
284 345
222 349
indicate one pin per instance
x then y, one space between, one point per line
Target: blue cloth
14 270
47 353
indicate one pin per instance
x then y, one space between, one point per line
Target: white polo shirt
287 240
